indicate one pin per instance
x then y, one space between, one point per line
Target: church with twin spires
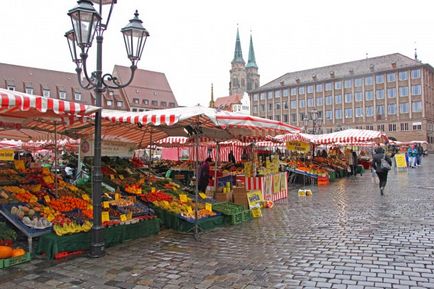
243 78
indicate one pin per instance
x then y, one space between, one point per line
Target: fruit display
30 217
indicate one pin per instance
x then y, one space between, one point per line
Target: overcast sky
193 41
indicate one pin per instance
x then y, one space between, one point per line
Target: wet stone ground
345 236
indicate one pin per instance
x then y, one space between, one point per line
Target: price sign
33 199
47 198
85 197
189 210
19 165
50 218
208 207
121 177
130 215
112 177
183 198
123 217
105 205
105 217
117 196
153 190
202 195
256 212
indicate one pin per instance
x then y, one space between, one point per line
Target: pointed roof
252 60
238 54
212 102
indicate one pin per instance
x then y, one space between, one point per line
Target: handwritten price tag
123 218
202 195
117 196
183 198
105 205
105 217
85 197
121 177
112 177
129 215
153 190
208 207
47 198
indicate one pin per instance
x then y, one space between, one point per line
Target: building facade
243 77
391 93
149 90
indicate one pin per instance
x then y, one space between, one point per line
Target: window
358 96
119 103
285 105
171 104
255 109
391 77
270 95
359 112
415 73
348 83
310 102
329 115
416 106
310 89
328 86
154 102
277 117
46 93
329 100
416 89
134 110
380 127
262 107
302 116
270 107
404 126
285 118
136 101
348 98
301 90
338 99
391 108
146 102
403 91
62 95
368 80
403 75
302 103
286 92
294 91
29 90
348 113
293 104
391 92
256 97
369 111
77 95
379 93
293 117
380 109
370 127
379 78
319 101
358 82
392 126
417 126
369 95
163 104
338 84
277 105
338 113
403 107
11 87
277 93
319 88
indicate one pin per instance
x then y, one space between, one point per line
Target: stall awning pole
217 160
55 158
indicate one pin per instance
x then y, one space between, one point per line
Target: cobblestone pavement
345 236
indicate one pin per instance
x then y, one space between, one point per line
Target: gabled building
149 90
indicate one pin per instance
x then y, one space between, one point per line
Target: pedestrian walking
381 163
412 153
204 175
419 154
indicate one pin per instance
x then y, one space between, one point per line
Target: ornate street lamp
86 22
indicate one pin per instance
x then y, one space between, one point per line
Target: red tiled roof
147 85
226 102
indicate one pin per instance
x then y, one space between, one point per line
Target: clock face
85 146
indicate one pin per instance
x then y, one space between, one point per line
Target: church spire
238 54
212 103
252 60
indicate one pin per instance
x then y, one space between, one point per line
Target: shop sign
401 162
298 146
108 148
255 199
6 155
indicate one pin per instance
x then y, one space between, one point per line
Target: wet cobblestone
345 236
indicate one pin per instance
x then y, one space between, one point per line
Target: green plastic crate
16 260
1 264
227 208
237 218
247 216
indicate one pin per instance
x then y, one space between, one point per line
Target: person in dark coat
379 153
231 157
204 175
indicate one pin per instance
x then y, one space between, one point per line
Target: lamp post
86 22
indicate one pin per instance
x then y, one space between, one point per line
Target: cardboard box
241 200
239 190
223 197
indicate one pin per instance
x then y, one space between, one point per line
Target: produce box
1 263
227 208
223 197
16 260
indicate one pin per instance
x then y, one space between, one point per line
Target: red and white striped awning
144 128
24 116
350 136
